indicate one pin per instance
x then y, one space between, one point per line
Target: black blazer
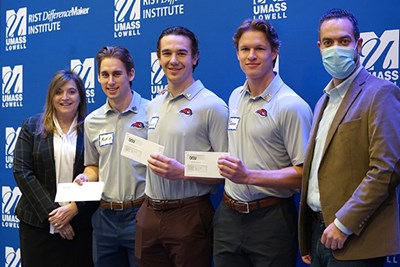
34 171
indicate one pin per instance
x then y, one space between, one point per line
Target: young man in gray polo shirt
269 123
124 179
174 224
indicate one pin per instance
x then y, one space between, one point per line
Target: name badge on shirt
106 139
153 122
233 123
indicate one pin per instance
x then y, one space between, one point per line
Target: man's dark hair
337 13
179 30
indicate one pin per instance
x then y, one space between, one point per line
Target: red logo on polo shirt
186 111
262 112
138 124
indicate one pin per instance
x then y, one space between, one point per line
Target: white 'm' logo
12 257
85 70
123 8
15 22
12 78
10 199
157 73
380 52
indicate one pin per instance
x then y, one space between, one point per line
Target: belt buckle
247 207
157 202
121 208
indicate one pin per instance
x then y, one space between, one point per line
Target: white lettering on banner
393 259
132 25
11 105
74 11
15 47
36 17
155 2
272 16
17 28
163 11
269 8
126 33
272 11
45 27
17 40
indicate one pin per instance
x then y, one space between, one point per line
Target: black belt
165 204
246 207
121 205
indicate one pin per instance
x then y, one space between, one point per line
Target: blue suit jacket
35 174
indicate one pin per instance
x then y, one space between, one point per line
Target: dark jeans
322 256
265 237
114 238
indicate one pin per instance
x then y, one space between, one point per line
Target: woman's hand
61 216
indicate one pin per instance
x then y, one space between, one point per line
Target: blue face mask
339 61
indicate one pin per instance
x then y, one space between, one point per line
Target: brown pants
179 237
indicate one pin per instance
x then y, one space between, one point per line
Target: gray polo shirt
195 120
105 130
267 132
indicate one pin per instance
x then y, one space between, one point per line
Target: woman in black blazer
49 150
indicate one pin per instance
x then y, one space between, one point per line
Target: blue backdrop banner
37 38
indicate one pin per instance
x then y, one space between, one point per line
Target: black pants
40 248
265 237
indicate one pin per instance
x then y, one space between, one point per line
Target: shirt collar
270 91
190 92
71 130
133 106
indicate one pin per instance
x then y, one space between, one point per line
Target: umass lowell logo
158 80
12 86
380 55
85 70
16 29
126 18
12 257
11 140
10 198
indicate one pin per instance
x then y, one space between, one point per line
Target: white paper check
89 191
202 164
139 149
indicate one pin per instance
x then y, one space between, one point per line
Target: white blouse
64 151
